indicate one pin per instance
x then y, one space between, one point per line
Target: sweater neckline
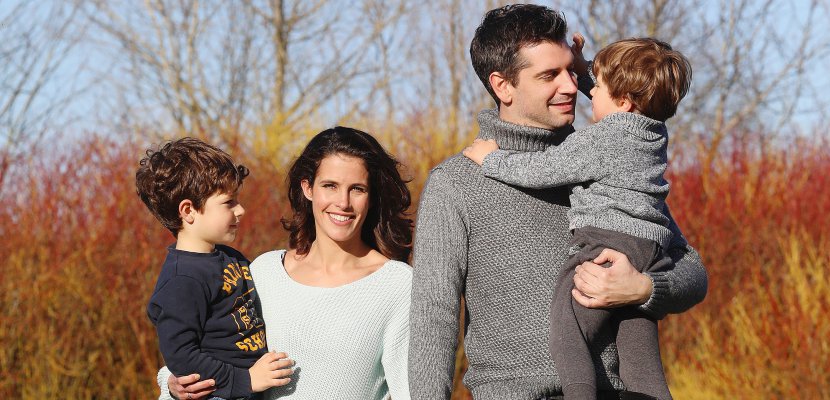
510 136
213 253
357 282
638 125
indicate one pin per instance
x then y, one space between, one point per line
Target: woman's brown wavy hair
387 228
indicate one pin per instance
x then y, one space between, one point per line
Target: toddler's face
601 102
218 221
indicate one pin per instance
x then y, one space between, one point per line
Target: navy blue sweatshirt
204 313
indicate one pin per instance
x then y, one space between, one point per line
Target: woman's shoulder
268 258
398 272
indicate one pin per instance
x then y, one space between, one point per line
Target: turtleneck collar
510 136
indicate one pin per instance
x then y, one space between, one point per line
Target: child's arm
582 68
272 369
480 149
190 387
179 310
580 158
580 64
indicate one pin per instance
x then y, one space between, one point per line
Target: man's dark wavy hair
504 31
387 228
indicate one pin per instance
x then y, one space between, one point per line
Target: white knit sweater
349 342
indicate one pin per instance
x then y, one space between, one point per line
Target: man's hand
480 149
615 286
189 387
272 369
580 64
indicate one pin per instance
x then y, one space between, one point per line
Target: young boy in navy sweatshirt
203 305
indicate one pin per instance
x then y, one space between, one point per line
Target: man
499 246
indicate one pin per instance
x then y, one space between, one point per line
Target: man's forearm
680 288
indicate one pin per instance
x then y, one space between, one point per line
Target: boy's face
601 102
545 95
218 220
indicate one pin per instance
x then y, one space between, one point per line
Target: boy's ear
625 105
187 211
306 188
501 87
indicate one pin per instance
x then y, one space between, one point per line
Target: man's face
545 94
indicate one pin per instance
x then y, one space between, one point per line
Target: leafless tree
751 59
35 41
221 68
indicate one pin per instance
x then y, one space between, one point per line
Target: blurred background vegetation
87 85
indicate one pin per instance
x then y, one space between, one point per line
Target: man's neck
511 136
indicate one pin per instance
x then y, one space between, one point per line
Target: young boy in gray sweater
618 195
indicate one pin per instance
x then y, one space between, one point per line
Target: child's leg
568 348
641 367
568 337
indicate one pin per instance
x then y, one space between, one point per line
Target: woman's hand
615 286
189 387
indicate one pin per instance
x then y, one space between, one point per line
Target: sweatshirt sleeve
396 346
681 287
179 309
579 158
439 270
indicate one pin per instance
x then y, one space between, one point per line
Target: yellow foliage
772 338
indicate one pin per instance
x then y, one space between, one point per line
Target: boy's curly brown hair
184 169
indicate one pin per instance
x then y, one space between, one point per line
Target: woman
338 300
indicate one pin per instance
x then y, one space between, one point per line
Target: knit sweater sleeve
439 270
396 347
680 288
161 378
577 159
179 310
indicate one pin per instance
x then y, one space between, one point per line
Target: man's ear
306 186
187 211
501 87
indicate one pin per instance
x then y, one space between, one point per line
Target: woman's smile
339 198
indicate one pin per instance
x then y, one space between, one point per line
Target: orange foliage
81 257
761 220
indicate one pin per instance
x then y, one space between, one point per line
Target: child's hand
580 65
272 369
480 149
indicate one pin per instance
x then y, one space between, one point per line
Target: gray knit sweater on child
500 247
619 162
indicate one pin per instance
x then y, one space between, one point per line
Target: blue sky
92 109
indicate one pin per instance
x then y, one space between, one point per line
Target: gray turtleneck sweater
500 247
619 163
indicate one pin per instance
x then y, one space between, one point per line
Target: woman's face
339 198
